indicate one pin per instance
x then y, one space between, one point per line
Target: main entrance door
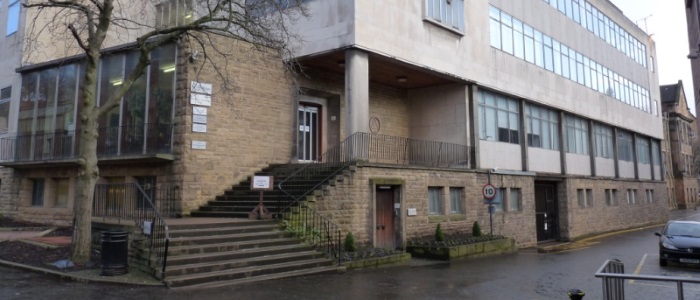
546 212
385 219
308 140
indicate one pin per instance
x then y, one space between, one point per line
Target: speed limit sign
489 191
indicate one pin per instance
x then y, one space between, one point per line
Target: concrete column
591 147
651 158
616 154
474 139
634 156
356 92
524 154
562 142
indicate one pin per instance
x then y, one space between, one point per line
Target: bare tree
88 26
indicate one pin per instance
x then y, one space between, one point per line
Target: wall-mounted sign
199 128
412 212
201 88
261 183
200 99
198 110
199 119
199 145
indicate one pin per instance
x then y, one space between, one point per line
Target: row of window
514 37
585 197
58 187
13 9
499 120
588 16
507 199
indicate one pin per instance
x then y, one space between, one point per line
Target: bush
350 243
476 229
439 235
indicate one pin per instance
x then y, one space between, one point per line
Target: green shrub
476 229
350 243
439 235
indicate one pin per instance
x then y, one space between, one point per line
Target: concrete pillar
635 159
562 142
356 92
475 126
524 147
616 153
592 147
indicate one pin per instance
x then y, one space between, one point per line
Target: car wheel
663 262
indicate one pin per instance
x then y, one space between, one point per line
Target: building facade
556 103
692 15
681 136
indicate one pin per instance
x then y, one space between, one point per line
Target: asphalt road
525 275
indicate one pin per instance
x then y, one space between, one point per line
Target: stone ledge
385 261
482 249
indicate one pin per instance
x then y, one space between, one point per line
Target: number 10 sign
489 191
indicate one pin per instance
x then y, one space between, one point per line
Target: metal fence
140 204
613 274
111 141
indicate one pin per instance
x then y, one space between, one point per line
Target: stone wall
9 192
350 204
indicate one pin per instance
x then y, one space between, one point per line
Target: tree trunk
88 172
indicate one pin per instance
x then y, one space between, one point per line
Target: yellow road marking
639 267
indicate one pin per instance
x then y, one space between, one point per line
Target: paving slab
9 235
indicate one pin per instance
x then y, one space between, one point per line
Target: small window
5 97
38 192
514 200
456 200
61 192
581 196
589 197
650 196
449 13
12 17
499 199
435 200
611 197
631 196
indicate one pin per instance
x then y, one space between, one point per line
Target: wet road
525 275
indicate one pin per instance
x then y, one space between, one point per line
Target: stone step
226 264
175 233
216 239
235 201
247 272
291 274
198 258
236 223
219 214
175 251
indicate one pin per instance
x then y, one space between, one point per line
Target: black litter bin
115 253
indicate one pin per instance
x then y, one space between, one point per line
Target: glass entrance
308 139
546 212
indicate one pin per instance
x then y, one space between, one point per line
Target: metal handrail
613 289
122 201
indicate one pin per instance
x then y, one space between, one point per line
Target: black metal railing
360 146
142 139
613 274
147 206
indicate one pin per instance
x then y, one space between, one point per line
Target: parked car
679 242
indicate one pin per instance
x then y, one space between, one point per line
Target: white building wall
543 160
500 155
626 169
578 164
604 167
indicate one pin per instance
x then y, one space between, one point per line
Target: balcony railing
147 139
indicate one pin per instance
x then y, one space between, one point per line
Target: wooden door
384 224
546 212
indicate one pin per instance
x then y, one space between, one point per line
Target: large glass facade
142 123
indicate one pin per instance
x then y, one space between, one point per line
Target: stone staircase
222 253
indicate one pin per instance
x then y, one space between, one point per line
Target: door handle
379 226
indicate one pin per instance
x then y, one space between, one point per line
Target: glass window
543 127
589 198
497 201
38 192
576 135
611 197
5 97
435 200
603 141
499 118
495 23
529 44
506 33
643 156
12 17
456 200
514 200
581 197
539 49
624 146
518 39
548 54
448 12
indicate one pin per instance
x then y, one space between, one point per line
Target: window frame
501 107
38 193
5 100
456 199
435 209
515 196
451 10
14 12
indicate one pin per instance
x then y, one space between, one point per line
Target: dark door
385 219
546 212
308 139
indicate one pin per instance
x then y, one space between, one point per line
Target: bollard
575 294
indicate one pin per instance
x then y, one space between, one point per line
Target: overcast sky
665 22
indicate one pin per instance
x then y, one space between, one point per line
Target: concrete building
681 136
418 103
